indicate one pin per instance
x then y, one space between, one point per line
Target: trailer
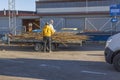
38 43
65 37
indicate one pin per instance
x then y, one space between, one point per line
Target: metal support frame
12 16
101 28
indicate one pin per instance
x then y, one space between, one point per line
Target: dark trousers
47 44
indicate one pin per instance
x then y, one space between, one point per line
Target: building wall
54 7
18 25
75 22
87 22
76 3
4 25
59 22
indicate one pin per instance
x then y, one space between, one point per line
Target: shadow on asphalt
84 47
52 69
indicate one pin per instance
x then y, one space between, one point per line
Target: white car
112 51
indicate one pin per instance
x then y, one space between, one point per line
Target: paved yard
66 63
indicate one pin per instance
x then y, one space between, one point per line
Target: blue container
37 30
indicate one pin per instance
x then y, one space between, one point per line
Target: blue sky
24 5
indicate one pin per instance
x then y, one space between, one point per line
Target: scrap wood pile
27 36
68 37
62 37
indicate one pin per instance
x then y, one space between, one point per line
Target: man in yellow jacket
47 33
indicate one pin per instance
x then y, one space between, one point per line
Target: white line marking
45 65
92 72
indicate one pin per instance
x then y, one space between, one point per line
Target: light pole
12 16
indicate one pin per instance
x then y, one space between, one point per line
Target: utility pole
12 16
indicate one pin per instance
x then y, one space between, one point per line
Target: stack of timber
27 36
61 37
66 37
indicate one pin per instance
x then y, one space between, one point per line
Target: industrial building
85 15
23 19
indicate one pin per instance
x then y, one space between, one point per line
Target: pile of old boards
60 37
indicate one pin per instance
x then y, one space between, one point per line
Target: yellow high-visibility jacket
47 31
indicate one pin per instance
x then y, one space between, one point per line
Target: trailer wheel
38 47
116 62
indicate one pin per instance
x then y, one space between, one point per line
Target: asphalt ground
66 63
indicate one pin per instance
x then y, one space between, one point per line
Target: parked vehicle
112 51
35 39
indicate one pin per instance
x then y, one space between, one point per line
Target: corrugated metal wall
64 22
77 4
117 25
19 26
83 24
4 24
89 23
74 22
101 24
59 22
98 24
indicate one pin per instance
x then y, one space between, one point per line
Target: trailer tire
116 62
38 47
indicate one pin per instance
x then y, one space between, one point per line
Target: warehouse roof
64 0
67 0
76 13
18 13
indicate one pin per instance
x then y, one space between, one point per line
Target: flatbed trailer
38 44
